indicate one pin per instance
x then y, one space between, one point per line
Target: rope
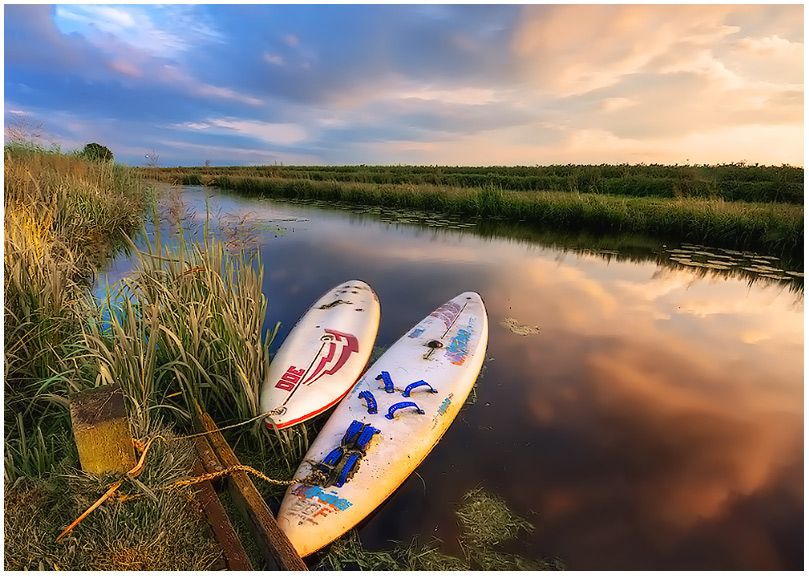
198 434
208 477
141 464
133 473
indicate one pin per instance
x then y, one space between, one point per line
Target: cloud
160 30
273 133
576 49
274 59
425 84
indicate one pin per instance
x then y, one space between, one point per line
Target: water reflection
655 421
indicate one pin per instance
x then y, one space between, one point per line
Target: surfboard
323 355
388 423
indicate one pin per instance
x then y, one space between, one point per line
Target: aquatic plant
485 522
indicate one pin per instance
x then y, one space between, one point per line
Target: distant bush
97 152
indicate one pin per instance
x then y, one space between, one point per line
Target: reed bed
63 216
739 181
775 228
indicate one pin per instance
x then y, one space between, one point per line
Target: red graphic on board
333 355
291 377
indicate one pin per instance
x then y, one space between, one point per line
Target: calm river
653 421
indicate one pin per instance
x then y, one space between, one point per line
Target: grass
63 217
160 533
767 226
737 181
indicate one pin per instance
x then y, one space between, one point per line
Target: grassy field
728 181
763 225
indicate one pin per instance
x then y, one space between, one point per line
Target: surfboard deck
323 355
434 366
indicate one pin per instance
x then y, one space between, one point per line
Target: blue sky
419 84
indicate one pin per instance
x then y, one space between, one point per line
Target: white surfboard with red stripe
323 356
388 423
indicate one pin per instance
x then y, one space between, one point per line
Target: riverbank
65 216
183 327
750 183
770 227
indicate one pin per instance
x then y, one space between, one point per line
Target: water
651 419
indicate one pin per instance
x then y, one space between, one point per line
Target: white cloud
275 59
160 30
271 132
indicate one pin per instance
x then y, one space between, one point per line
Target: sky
416 84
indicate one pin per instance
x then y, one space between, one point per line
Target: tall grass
63 216
185 327
737 181
770 227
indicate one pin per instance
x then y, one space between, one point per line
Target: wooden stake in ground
101 430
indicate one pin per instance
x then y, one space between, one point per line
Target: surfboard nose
470 297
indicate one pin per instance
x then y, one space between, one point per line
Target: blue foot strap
369 400
410 387
400 406
341 463
385 377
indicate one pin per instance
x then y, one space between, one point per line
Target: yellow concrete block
101 430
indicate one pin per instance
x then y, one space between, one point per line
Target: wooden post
276 548
101 430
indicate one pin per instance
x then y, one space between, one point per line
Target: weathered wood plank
273 543
235 555
101 430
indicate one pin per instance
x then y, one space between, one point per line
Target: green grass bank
751 183
771 227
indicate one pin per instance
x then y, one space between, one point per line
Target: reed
63 216
185 327
738 181
775 228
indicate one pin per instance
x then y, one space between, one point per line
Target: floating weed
488 559
514 325
348 553
487 521
428 557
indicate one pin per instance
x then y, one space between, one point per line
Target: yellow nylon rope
139 467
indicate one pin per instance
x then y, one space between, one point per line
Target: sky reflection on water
656 421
